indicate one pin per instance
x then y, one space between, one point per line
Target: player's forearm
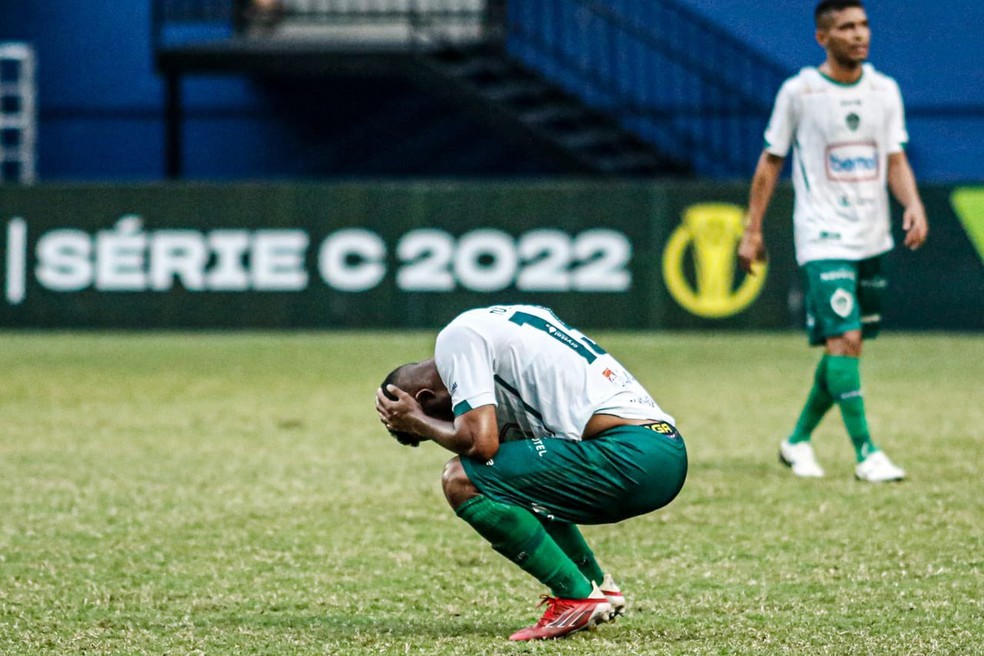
436 430
762 188
466 436
902 181
452 441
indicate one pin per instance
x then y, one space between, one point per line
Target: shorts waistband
664 428
661 428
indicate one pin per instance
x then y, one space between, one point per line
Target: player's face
846 36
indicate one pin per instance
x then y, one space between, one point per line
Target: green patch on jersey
968 203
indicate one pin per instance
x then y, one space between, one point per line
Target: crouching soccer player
550 431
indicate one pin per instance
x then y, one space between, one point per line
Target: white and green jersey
841 136
544 378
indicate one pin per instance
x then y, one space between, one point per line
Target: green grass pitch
226 494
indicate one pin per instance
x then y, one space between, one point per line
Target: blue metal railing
694 90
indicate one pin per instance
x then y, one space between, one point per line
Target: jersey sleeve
465 362
781 130
898 136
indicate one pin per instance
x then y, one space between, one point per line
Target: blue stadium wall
933 49
101 102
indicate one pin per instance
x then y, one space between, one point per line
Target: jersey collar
846 85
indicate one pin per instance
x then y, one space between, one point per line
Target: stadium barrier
403 255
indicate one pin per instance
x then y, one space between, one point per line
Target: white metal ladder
18 113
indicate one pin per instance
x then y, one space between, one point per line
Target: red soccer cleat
566 616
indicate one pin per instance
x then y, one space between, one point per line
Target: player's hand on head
392 406
396 409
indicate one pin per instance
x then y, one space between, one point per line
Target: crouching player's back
550 431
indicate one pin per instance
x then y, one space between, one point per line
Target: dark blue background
101 101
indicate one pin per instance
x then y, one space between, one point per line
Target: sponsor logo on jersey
852 162
663 428
558 334
709 234
614 377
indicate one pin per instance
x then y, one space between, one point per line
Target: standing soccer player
551 432
846 126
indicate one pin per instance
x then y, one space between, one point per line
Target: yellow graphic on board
710 231
968 203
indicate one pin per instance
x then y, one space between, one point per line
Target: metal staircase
682 83
604 87
456 47
533 109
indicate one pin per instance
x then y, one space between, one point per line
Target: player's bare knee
458 488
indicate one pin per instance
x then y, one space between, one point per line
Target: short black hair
825 7
397 378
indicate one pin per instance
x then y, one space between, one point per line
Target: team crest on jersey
842 302
853 121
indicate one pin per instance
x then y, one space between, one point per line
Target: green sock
568 537
519 536
844 383
818 402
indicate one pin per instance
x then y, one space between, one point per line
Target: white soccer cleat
877 468
800 458
614 596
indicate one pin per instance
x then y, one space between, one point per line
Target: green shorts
624 472
842 295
